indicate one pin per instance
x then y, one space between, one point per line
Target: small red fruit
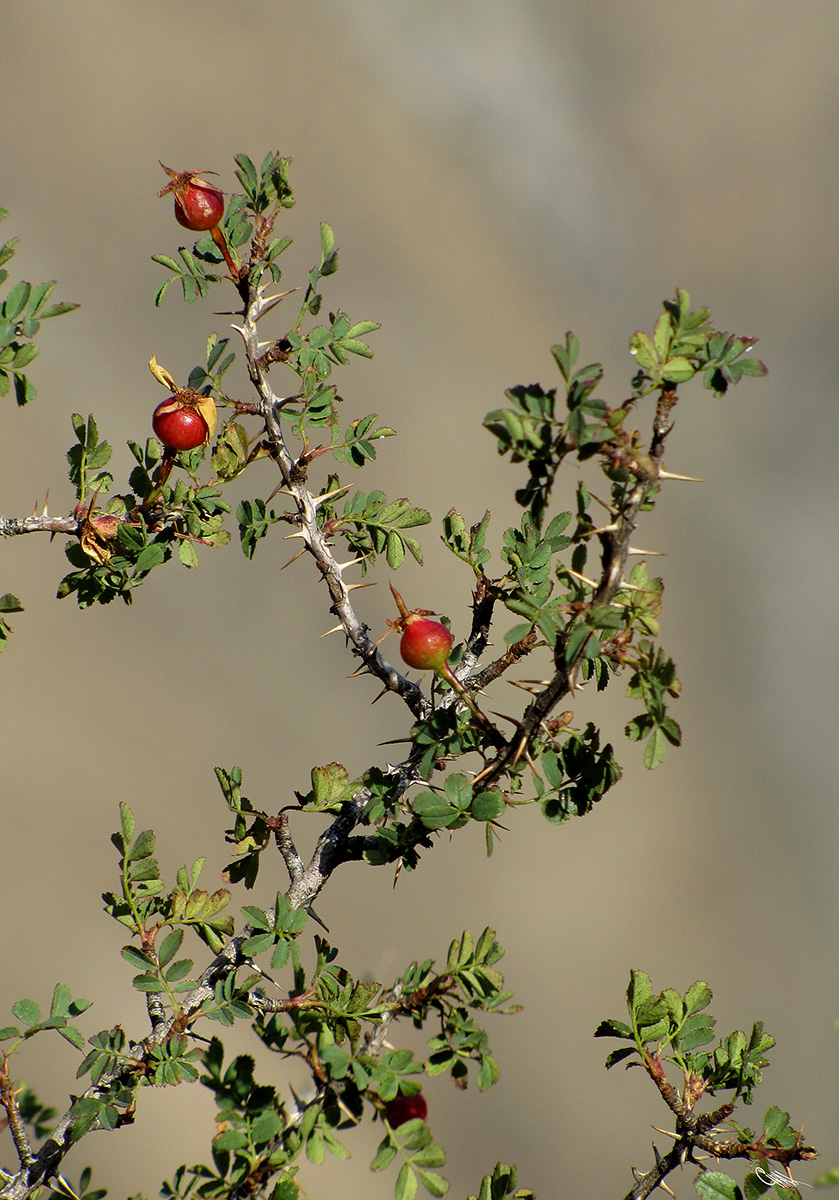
198 204
179 426
405 1108
425 644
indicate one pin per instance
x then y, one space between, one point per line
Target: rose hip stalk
199 206
426 646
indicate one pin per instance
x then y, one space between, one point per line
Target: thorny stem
615 543
692 1133
16 1125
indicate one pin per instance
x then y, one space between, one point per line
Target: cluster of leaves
322 1022
21 314
155 517
681 1024
134 532
667 1027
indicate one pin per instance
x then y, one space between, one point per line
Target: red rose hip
405 1108
198 204
179 426
425 644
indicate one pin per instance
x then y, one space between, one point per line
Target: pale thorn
266 303
609 507
240 330
520 749
301 533
318 500
583 578
334 629
652 553
666 1189
531 764
630 587
294 560
603 529
279 490
662 474
281 401
350 587
351 562
667 1133
45 513
531 686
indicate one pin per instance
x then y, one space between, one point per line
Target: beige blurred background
496 173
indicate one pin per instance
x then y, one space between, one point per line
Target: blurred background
495 173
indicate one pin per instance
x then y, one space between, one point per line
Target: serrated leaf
713 1185
27 1011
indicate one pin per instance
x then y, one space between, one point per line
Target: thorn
351 562
603 529
45 513
520 749
294 560
667 1133
653 553
315 917
318 500
266 303
362 670
529 685
666 1189
383 692
531 764
240 330
504 717
300 534
279 490
662 474
352 586
335 628
584 578
394 741
609 507
397 872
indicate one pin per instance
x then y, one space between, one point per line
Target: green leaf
713 1185
655 749
16 300
27 1011
488 806
405 1187
678 370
